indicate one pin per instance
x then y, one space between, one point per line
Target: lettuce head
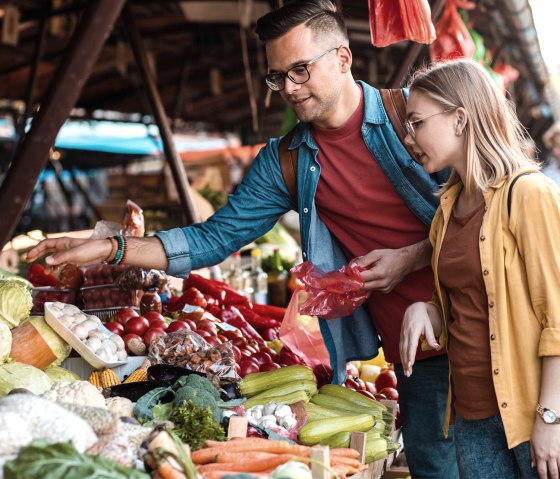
15 302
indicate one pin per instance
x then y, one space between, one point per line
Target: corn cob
109 378
136 376
95 379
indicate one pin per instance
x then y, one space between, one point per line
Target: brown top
468 346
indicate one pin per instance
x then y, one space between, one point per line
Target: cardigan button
482 238
492 337
491 304
496 371
486 208
485 272
504 405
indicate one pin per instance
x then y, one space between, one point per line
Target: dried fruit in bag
332 294
133 224
134 277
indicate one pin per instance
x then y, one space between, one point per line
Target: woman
496 305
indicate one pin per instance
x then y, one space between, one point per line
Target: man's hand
71 250
385 268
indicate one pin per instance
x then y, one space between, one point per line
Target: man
359 195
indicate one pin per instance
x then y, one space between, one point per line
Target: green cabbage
6 275
5 342
291 470
18 375
60 348
15 303
57 374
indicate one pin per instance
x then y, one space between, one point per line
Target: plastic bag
453 37
332 294
302 335
392 21
134 277
187 349
133 224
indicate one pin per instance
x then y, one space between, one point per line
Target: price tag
226 327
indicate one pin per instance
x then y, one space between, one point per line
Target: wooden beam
33 152
175 163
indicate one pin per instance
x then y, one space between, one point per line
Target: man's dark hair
319 15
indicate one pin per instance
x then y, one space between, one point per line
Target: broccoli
202 398
200 382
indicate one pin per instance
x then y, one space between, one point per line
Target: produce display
204 359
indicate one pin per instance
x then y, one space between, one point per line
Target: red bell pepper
231 315
274 312
37 275
257 321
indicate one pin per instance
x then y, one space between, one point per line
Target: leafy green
6 275
15 302
194 425
62 461
143 409
19 375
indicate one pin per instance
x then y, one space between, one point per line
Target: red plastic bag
302 335
453 37
392 21
332 294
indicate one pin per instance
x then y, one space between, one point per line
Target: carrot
242 456
203 456
167 471
345 451
248 465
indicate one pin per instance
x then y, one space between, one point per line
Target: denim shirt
262 198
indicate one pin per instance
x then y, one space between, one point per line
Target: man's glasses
409 125
298 74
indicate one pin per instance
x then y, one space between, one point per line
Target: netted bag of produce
187 349
134 277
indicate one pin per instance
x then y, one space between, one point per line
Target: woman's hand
417 322
545 449
71 250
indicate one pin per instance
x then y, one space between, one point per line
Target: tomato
204 334
153 316
115 327
366 394
158 323
134 345
194 297
269 334
213 341
138 325
124 314
390 393
151 334
380 397
386 379
268 367
236 353
177 325
262 357
355 383
247 366
370 387
235 333
241 343
289 358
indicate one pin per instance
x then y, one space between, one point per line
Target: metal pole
65 87
413 51
175 163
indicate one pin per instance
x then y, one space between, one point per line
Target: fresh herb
61 461
194 425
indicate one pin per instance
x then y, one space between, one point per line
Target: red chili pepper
257 321
206 286
231 315
232 297
38 277
274 312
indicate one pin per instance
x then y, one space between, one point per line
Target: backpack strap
511 188
395 107
288 164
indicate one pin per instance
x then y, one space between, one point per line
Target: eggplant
132 391
167 374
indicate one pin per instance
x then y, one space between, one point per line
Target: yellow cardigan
520 261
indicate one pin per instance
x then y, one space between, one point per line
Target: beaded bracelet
121 250
111 253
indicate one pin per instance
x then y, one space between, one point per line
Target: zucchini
340 439
379 447
315 411
337 404
315 431
308 387
289 398
351 396
255 383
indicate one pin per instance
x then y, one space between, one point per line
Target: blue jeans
422 401
482 451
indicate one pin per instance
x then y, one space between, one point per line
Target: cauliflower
120 406
26 417
77 392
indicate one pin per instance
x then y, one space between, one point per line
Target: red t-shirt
364 212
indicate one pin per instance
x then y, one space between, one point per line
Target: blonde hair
496 142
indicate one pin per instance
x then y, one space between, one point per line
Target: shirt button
312 168
304 254
305 210
485 272
492 336
504 405
496 371
482 238
491 304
